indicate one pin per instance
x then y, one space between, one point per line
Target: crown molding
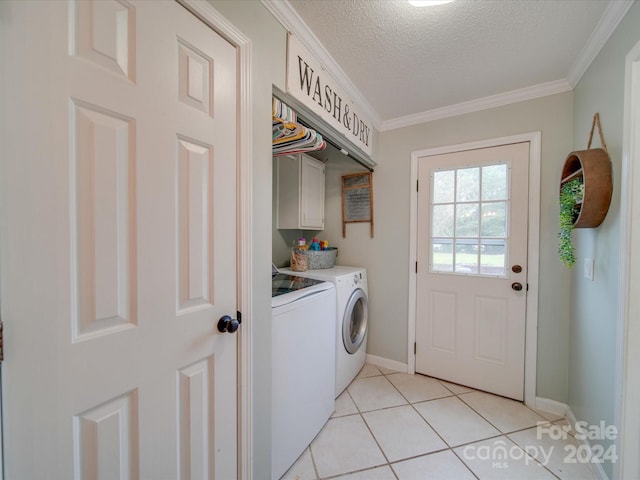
615 12
289 18
514 96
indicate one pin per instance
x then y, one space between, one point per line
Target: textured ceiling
406 60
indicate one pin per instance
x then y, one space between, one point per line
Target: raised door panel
103 221
196 421
103 32
442 322
106 440
490 330
195 224
195 74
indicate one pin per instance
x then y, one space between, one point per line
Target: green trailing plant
570 194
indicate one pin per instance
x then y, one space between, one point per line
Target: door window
469 226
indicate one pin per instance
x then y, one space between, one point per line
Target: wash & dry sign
312 85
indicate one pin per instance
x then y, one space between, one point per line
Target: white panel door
472 272
118 242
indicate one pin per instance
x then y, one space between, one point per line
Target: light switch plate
588 268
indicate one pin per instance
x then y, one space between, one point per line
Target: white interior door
472 272
118 242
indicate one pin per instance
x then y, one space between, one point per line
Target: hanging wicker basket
593 166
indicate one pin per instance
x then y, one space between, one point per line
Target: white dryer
351 315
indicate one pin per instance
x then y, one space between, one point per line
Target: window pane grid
469 231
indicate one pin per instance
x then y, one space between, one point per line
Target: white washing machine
302 363
352 318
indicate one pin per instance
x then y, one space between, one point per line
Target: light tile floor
393 426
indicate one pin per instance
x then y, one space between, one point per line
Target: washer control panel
358 279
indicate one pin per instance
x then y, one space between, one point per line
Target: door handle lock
226 324
517 286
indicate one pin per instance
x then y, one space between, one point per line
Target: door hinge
417 185
415 347
1 342
416 267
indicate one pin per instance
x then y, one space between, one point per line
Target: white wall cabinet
300 193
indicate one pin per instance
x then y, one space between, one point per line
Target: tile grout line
501 433
490 423
449 447
412 404
313 460
504 434
369 428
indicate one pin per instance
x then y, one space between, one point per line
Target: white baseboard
596 467
386 363
551 406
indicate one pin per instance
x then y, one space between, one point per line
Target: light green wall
268 54
386 256
594 304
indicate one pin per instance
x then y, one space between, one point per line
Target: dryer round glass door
354 323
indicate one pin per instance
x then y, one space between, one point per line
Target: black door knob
517 286
228 324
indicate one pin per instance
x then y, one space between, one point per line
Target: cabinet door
311 194
287 171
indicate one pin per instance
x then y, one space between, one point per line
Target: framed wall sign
357 200
311 84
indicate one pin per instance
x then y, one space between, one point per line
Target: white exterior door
118 242
472 272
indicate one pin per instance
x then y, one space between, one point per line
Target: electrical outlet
589 266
